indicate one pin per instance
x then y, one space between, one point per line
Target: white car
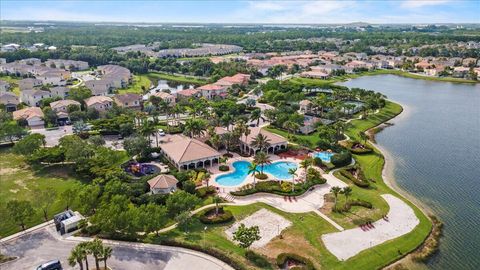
161 132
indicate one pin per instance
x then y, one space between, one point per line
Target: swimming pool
279 170
324 156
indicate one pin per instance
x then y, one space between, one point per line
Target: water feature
324 156
171 86
279 170
435 146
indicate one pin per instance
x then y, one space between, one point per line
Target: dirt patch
290 241
4 171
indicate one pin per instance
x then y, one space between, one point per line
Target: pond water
171 86
435 145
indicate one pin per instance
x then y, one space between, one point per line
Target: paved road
53 136
43 245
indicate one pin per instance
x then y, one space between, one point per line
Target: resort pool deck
324 156
279 170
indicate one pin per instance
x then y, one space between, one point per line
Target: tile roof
28 113
162 181
183 149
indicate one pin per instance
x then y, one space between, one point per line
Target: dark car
51 265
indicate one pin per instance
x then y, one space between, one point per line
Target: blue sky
394 11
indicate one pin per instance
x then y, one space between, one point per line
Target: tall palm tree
227 119
229 139
260 142
148 129
253 170
85 251
76 257
216 200
291 127
347 191
305 164
293 173
96 248
262 158
335 190
363 137
256 115
195 127
106 253
215 140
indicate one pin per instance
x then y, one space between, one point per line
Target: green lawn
155 76
13 83
312 139
19 181
140 82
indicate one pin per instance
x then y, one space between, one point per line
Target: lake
435 145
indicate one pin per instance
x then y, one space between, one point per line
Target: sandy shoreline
388 171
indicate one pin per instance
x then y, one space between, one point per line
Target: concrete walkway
401 220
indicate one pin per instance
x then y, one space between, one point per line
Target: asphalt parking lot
44 244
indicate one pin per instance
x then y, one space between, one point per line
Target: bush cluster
357 202
261 176
341 159
282 258
224 216
205 191
224 168
257 259
360 181
276 188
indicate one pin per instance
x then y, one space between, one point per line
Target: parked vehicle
51 265
161 132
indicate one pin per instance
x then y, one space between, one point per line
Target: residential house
9 100
305 106
99 103
99 87
60 91
167 97
277 142
187 153
34 96
467 62
4 86
210 91
460 72
67 64
189 93
119 76
129 100
62 105
314 75
163 184
240 79
53 77
29 83
33 116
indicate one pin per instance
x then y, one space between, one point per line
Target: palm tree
262 158
96 248
215 140
305 164
260 142
76 257
148 129
195 127
256 115
291 127
347 191
253 170
106 253
229 139
335 190
227 119
216 200
293 173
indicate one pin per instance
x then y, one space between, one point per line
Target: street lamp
204 230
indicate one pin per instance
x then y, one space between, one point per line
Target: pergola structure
187 153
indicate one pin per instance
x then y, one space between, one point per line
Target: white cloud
422 3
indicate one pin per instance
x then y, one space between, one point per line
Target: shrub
341 159
257 259
205 191
286 186
208 217
275 188
357 202
282 258
361 181
261 176
224 168
317 162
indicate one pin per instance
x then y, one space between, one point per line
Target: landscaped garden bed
357 148
275 187
214 216
356 175
293 261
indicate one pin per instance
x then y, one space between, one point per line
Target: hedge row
224 216
361 181
358 202
257 259
208 250
283 257
223 168
276 188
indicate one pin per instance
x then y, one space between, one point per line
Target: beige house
163 184
305 106
33 115
187 153
62 105
129 100
168 98
99 103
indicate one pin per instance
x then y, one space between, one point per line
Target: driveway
45 244
53 136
